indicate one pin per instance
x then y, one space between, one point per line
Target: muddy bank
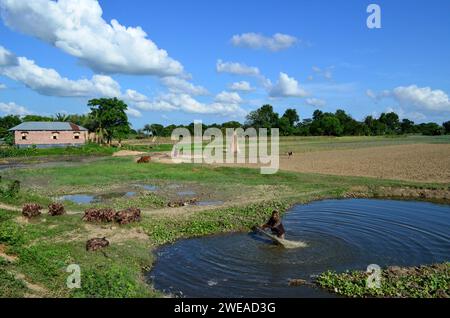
427 194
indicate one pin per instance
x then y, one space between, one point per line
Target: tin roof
50 126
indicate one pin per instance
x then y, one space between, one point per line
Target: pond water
186 193
341 235
209 203
89 198
149 187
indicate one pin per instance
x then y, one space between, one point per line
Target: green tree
110 118
7 123
263 117
407 126
157 130
391 121
291 115
430 129
446 127
331 125
148 129
36 118
61 117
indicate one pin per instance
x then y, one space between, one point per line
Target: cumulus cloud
78 28
316 102
287 87
422 98
228 98
225 103
236 68
180 85
133 112
13 109
7 58
49 82
277 42
241 86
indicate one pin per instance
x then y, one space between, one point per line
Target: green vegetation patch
167 229
10 286
415 282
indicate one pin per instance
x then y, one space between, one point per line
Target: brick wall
46 138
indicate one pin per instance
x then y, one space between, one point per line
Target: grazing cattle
145 159
290 154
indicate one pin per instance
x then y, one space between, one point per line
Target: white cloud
77 28
47 81
7 58
225 103
241 86
133 112
236 68
13 109
228 97
2 86
405 114
287 87
274 43
180 85
422 98
316 102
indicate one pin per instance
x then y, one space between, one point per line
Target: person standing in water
275 225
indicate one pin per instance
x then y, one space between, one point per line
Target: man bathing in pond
275 225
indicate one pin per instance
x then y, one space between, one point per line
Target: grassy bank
414 282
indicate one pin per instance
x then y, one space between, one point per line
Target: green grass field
43 247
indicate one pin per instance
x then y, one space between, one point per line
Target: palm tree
61 117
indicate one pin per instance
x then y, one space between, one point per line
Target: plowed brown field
419 162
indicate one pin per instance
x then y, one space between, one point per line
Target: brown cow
144 159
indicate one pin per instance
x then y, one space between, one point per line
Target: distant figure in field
145 159
290 154
275 225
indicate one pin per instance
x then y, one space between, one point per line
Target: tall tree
110 118
391 121
263 117
292 117
446 127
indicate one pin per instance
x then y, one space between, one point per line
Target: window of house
55 136
76 135
24 136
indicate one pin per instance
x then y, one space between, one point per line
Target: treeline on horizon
338 123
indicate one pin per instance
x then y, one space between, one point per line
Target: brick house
49 134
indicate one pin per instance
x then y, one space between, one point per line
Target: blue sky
55 56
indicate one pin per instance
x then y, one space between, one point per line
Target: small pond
341 234
90 198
